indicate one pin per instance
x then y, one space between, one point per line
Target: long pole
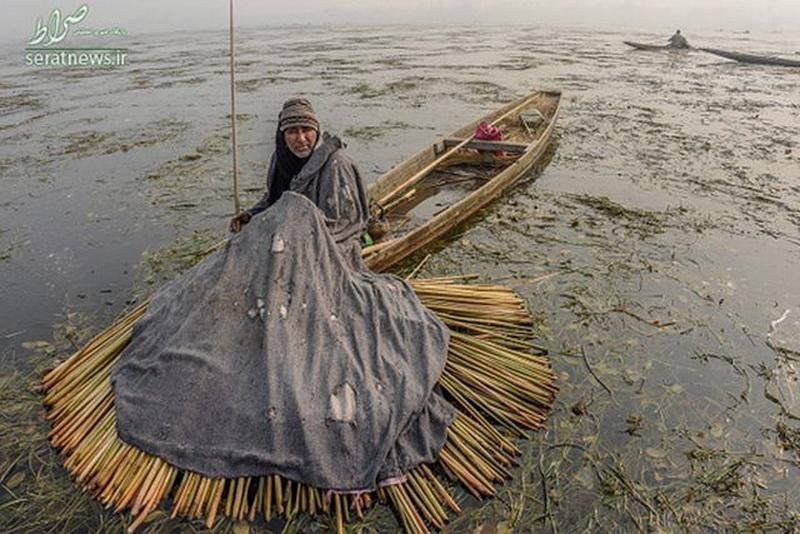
236 205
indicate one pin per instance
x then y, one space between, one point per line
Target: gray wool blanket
282 354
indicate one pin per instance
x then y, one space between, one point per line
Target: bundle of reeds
495 375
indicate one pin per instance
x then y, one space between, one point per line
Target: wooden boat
644 46
752 58
435 190
653 47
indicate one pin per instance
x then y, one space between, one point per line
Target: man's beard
303 154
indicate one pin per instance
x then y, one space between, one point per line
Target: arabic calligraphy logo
47 47
56 28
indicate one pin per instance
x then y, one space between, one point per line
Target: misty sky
143 16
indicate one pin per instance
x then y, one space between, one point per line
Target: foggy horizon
208 15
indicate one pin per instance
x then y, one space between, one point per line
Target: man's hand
238 221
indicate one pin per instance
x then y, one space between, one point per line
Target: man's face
300 140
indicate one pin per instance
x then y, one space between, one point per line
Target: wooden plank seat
487 146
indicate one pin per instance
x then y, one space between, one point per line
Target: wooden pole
236 206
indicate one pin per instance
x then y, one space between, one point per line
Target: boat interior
462 165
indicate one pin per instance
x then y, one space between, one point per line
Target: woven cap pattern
297 112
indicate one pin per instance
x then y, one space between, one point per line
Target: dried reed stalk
496 376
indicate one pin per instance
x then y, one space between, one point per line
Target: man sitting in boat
281 353
678 41
314 167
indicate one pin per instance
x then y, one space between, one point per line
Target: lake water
658 248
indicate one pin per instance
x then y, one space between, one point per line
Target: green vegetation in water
639 439
371 133
19 101
365 133
196 180
192 80
5 252
789 438
643 222
102 143
366 91
161 265
489 90
36 495
8 248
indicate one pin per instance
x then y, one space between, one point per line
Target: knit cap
297 112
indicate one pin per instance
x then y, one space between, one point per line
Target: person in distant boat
678 41
312 164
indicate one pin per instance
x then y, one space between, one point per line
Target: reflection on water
658 248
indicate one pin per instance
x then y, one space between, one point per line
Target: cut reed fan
498 379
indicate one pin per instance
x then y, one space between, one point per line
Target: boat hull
399 248
655 47
752 58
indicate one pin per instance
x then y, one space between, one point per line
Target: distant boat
653 47
752 58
